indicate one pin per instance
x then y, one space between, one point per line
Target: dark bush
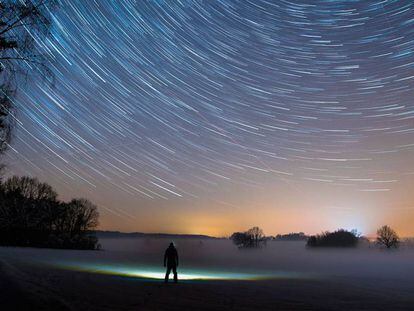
339 238
240 239
252 238
291 237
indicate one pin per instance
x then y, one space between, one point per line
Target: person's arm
165 258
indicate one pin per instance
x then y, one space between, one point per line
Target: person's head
172 244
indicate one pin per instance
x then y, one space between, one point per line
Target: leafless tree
22 24
256 235
83 216
6 121
29 188
387 237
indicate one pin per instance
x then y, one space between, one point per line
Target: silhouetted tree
339 238
5 119
23 212
76 219
23 23
257 236
291 237
240 239
387 237
1 168
254 237
31 215
30 188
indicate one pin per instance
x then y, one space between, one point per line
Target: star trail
205 109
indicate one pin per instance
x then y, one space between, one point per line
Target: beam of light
152 273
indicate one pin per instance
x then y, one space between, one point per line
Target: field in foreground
284 276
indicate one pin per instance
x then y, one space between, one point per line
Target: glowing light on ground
184 274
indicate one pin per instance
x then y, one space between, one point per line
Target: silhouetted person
171 262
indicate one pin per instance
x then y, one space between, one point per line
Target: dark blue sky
186 115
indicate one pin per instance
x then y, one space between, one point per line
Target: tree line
255 238
31 215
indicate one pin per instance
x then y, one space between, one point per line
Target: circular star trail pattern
161 100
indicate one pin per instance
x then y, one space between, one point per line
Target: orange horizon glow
222 224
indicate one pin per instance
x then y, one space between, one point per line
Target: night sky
214 116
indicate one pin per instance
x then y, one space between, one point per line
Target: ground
39 287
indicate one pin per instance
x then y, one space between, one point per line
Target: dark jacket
171 256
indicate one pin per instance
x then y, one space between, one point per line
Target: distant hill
118 234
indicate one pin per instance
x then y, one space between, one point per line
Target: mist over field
128 274
277 256
279 259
